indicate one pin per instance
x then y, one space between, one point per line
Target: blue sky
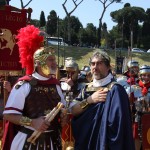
89 11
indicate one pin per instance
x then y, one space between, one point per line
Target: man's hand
40 124
98 96
70 82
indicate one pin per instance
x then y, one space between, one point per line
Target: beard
53 70
98 76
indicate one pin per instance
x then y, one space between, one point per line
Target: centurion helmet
72 68
85 70
133 63
144 69
70 64
41 55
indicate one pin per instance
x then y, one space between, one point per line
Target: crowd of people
100 111
136 81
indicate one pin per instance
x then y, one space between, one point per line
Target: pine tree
42 19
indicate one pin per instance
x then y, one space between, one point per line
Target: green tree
68 14
75 26
114 37
84 37
105 35
3 2
146 31
35 22
42 19
129 17
51 26
105 5
91 34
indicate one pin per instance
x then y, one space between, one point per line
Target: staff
49 117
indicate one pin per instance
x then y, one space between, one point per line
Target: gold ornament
84 104
25 121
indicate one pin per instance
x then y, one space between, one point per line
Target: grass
82 55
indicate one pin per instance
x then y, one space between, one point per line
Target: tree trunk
69 31
99 32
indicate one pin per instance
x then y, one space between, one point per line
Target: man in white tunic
34 96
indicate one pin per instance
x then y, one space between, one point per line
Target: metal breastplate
147 100
143 103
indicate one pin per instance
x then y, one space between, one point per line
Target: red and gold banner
67 135
12 19
146 132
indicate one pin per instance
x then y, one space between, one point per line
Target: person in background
35 94
131 89
144 82
84 75
69 85
7 86
129 77
8 129
98 124
71 78
132 72
142 104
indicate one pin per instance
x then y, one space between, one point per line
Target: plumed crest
29 40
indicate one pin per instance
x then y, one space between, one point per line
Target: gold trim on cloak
90 87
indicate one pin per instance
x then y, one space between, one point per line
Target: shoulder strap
22 80
26 78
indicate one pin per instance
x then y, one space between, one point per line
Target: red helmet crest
29 40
